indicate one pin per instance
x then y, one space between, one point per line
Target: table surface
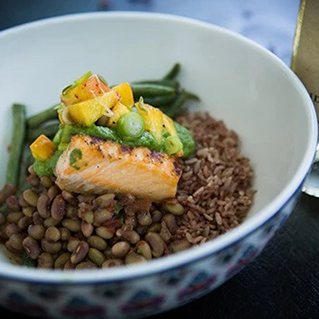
283 281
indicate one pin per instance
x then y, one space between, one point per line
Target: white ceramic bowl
237 80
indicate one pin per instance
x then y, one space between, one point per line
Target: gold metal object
305 56
305 63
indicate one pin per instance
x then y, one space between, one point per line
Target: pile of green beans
165 93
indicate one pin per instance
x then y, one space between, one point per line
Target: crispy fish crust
105 166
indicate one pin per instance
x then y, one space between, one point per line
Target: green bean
130 126
42 117
192 96
170 104
17 143
160 100
151 90
177 107
172 73
171 83
49 130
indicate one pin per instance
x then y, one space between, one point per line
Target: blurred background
270 23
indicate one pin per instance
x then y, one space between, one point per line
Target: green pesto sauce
187 140
46 168
63 137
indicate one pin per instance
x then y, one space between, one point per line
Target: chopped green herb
77 82
117 208
27 261
101 78
75 156
83 78
122 218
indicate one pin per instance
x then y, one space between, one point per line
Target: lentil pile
56 229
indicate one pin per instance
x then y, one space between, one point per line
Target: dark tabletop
283 281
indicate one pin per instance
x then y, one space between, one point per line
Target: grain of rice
204 239
208 217
199 191
189 237
198 239
197 166
218 219
191 161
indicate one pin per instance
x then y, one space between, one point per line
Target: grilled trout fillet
91 165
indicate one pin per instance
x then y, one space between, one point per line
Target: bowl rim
194 254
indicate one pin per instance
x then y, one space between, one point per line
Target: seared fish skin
92 165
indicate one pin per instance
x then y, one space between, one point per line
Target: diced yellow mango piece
42 148
87 90
88 112
126 93
118 110
153 118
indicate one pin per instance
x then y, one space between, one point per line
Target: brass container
305 63
305 56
